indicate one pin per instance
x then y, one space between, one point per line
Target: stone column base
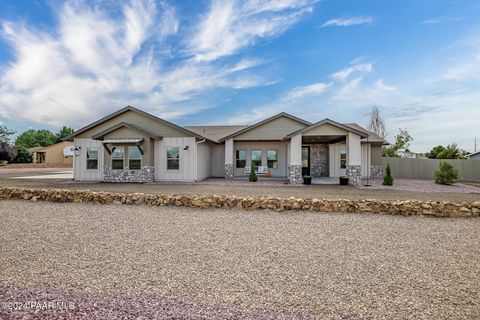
295 173
354 174
228 170
146 174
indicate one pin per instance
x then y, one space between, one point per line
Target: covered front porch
325 150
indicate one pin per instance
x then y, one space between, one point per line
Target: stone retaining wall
398 207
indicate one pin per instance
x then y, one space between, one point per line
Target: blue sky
231 62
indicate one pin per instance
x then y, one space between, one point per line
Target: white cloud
441 19
312 89
347 22
94 63
229 26
345 73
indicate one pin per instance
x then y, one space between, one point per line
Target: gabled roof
372 137
100 135
258 124
330 122
215 132
130 108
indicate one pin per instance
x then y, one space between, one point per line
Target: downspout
196 156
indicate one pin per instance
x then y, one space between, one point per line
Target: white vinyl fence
468 170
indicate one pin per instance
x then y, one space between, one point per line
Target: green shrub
253 175
446 174
388 179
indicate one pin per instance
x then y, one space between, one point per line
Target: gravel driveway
230 264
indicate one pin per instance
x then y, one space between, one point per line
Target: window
343 159
241 158
134 158
256 158
305 157
272 159
173 158
92 158
117 158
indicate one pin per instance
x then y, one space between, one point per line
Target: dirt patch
418 185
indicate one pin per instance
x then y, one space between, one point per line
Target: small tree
446 174
388 179
402 142
252 177
23 156
7 152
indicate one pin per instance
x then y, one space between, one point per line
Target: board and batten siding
366 159
80 171
188 163
274 130
143 121
203 160
376 153
334 161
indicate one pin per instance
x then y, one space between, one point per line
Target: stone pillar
354 173
295 167
229 159
354 159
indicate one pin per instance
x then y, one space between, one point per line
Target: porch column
229 159
295 167
354 159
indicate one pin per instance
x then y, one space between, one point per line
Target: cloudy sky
237 62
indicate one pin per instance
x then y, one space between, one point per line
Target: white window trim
86 159
123 159
246 158
277 160
128 159
167 158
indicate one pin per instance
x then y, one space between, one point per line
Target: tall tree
36 138
376 124
64 132
402 142
7 152
5 134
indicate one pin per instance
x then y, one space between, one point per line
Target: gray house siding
274 130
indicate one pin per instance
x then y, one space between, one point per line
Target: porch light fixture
186 148
76 151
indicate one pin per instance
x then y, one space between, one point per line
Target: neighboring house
474 156
54 154
131 145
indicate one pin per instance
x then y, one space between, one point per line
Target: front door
305 161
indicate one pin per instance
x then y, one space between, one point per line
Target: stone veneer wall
354 174
295 173
319 157
228 170
392 207
146 174
376 172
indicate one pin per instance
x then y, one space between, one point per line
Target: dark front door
305 161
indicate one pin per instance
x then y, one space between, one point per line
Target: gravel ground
418 185
241 189
330 265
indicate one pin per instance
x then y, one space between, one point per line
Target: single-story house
474 156
131 145
53 154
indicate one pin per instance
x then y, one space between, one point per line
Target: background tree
376 124
402 142
64 132
450 152
23 156
5 134
7 152
36 138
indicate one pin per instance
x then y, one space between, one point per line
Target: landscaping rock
397 207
